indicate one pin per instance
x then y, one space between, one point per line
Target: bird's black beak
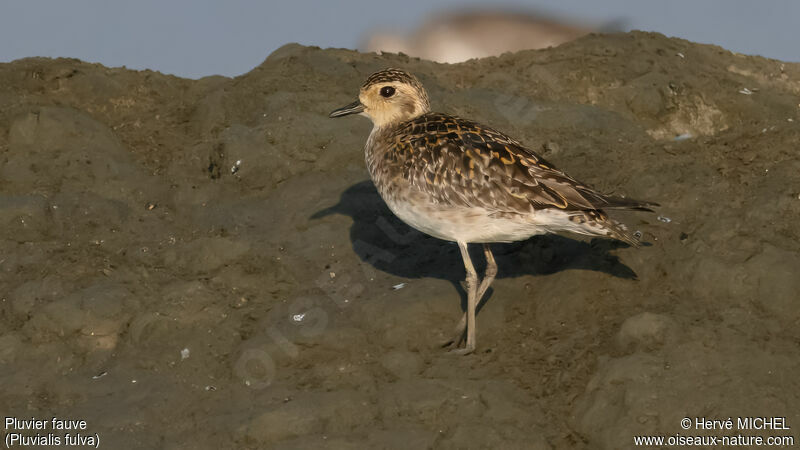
353 108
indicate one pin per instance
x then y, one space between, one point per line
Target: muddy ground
205 264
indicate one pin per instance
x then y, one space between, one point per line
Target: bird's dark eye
387 91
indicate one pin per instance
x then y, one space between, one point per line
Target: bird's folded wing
459 162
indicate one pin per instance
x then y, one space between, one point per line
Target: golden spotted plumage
457 162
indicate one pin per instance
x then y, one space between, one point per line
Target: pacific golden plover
460 181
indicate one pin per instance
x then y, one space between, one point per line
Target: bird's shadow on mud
389 245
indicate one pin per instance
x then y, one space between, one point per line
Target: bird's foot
463 351
453 342
459 336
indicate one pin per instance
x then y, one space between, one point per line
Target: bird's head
388 97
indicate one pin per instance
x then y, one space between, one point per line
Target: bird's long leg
472 291
488 277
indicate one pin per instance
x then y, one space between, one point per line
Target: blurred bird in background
459 36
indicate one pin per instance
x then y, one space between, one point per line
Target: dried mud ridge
202 263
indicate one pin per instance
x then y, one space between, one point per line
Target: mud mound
202 264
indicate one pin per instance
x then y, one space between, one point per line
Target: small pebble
683 137
235 167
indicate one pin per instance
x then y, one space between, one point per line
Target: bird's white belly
477 225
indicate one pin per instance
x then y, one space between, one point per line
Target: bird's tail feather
620 231
613 202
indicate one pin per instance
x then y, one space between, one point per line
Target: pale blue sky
194 38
